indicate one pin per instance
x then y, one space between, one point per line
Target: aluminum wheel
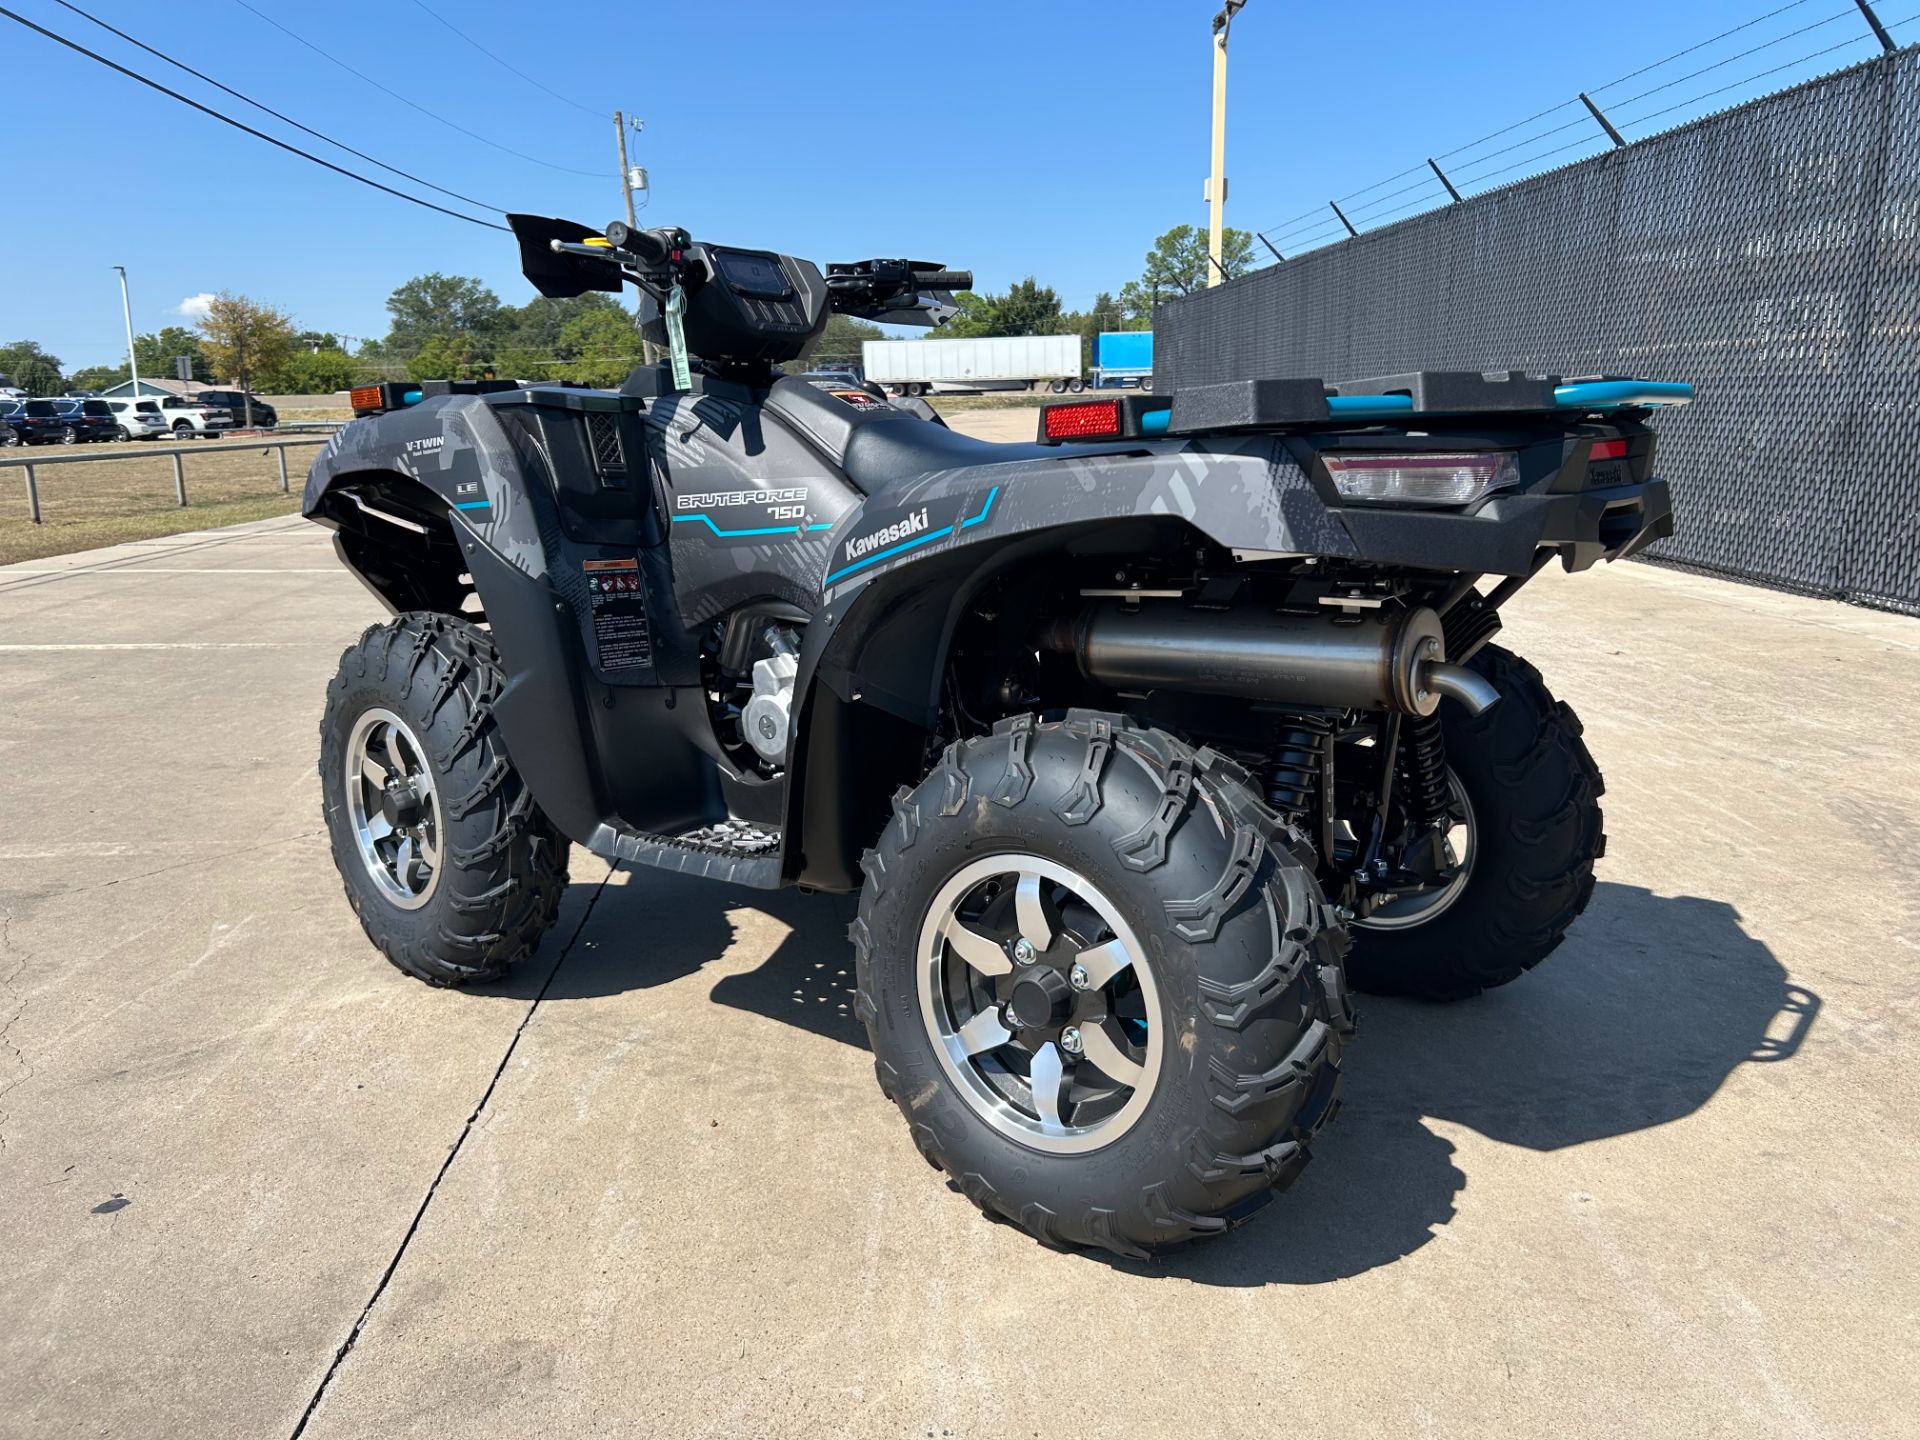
1040 1003
1424 906
394 808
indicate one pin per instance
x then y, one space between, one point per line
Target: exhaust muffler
1382 661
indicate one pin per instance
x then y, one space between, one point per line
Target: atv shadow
1636 1021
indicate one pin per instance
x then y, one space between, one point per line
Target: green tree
311 340
1178 265
97 377
246 339
435 306
31 368
976 317
837 344
312 372
156 353
535 327
602 345
448 357
1028 308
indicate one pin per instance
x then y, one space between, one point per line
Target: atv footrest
733 850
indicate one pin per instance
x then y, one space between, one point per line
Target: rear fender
905 566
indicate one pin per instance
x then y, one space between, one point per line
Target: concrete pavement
254 1180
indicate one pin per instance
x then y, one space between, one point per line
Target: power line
335 59
242 125
565 99
268 109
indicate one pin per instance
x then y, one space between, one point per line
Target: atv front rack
1290 404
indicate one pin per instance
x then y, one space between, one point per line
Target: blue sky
1048 137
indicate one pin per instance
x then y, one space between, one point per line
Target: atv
1140 742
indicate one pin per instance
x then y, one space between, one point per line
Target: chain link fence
1770 254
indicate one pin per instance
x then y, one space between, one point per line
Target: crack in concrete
188 864
393 1265
19 1056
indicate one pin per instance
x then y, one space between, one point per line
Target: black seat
875 444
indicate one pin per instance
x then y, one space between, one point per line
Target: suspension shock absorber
1422 765
1300 777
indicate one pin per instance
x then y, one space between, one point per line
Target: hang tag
677 338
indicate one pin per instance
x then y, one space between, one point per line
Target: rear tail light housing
1083 420
1608 450
1433 478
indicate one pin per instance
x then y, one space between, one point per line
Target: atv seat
875 444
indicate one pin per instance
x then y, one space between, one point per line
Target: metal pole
280 454
126 309
1441 175
1217 180
1343 220
1879 30
626 190
1605 124
33 495
179 480
1269 244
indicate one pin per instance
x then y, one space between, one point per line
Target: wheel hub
1041 998
393 808
1040 1002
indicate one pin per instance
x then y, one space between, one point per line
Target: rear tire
501 866
1243 953
1535 797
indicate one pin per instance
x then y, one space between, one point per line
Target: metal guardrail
31 464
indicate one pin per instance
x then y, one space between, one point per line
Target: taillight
1084 420
1435 478
1608 450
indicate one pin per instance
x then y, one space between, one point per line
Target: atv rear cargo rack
1281 404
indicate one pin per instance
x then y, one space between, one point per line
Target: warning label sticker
620 630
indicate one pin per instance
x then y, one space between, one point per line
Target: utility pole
626 189
126 309
1217 181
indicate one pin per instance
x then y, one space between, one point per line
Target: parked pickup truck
189 417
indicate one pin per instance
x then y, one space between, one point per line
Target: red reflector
1609 450
1090 420
366 397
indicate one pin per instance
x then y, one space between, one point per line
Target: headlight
1434 478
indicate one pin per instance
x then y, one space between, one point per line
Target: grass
129 495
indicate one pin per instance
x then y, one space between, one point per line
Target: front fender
456 448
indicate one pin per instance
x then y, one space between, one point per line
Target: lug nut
1070 1040
1078 977
1024 952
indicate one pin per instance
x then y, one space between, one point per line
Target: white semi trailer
1006 362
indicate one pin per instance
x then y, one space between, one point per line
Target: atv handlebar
652 248
943 279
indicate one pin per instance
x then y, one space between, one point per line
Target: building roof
162 387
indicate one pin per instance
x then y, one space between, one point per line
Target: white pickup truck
189 418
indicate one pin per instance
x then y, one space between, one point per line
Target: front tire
1209 1011
1533 792
452 868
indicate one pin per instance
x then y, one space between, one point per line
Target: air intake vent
604 436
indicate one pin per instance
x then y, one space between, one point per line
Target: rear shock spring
1422 763
1296 776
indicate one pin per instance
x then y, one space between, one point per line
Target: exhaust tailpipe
1385 661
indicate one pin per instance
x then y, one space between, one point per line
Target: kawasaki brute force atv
1139 742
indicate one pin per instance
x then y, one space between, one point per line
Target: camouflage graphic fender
456 447
1245 495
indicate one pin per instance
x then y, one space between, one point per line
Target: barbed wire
1312 228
